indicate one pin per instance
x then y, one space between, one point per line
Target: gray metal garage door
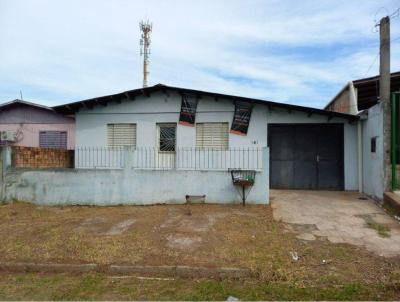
306 156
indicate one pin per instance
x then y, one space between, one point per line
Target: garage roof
368 90
71 108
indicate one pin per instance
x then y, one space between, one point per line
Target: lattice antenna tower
145 28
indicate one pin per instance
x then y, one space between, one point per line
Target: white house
184 142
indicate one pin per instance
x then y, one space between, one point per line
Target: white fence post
265 172
127 157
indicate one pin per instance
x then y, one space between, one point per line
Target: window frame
58 131
121 146
158 142
373 144
221 148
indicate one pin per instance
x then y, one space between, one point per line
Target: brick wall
31 157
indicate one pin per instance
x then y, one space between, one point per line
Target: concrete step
391 201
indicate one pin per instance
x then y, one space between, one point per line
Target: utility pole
384 96
145 27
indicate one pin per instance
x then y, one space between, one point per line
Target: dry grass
101 287
200 235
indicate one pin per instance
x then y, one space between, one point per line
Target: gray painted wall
373 162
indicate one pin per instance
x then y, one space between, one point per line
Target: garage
306 156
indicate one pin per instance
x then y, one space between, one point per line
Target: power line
395 14
372 64
391 16
377 55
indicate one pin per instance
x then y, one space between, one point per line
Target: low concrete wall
130 186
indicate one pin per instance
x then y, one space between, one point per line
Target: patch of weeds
341 252
238 253
277 291
351 292
381 229
330 279
89 286
275 228
209 290
394 279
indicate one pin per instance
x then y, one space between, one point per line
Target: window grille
241 118
53 139
188 110
167 137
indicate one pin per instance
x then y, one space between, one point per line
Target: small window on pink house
53 139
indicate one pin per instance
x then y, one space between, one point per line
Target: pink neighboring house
36 125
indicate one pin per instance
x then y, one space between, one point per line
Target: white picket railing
180 159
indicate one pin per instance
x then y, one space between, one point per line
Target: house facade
175 129
32 125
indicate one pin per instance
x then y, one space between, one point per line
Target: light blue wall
130 186
162 107
373 162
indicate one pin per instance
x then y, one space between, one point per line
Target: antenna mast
145 28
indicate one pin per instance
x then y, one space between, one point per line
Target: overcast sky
299 52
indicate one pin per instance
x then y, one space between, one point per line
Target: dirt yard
198 235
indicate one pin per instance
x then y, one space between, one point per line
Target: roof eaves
271 103
112 97
147 90
22 102
375 78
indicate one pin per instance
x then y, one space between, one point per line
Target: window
119 135
241 118
373 144
53 139
212 135
188 110
167 137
